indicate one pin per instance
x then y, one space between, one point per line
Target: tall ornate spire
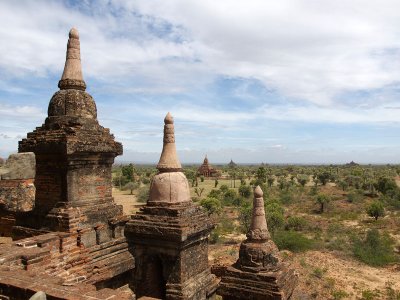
258 229
72 76
169 161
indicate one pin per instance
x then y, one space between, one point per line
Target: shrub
238 201
212 205
143 194
229 197
145 180
376 210
318 272
375 250
245 214
224 188
245 191
313 190
274 215
275 220
386 185
214 236
369 295
214 194
292 240
286 198
339 294
354 197
295 223
323 201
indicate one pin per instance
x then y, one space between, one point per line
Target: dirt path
128 201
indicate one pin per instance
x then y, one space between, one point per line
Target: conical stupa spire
72 76
258 229
169 161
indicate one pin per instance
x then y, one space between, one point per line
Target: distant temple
206 169
232 164
352 164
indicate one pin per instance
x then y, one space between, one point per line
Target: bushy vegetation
376 249
292 240
327 208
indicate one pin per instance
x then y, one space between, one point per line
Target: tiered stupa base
171 252
274 285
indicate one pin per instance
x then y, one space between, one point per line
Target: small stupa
170 185
259 273
170 235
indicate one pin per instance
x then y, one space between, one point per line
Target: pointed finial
169 161
258 229
168 119
72 76
258 192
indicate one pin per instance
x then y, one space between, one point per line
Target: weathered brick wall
94 255
17 189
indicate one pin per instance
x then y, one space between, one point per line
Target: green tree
386 185
212 205
274 215
224 188
270 181
261 174
216 183
229 197
343 185
324 177
245 214
131 186
376 210
302 179
245 191
323 201
128 171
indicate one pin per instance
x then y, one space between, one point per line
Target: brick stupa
72 243
74 155
170 235
259 273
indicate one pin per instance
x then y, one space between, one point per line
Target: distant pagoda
232 164
206 169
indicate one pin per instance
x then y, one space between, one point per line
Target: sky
289 81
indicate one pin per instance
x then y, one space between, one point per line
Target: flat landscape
337 225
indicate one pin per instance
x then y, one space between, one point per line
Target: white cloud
308 50
22 112
303 49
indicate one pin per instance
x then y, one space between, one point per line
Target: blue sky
256 81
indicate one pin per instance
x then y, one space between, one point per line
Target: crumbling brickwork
17 189
74 232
